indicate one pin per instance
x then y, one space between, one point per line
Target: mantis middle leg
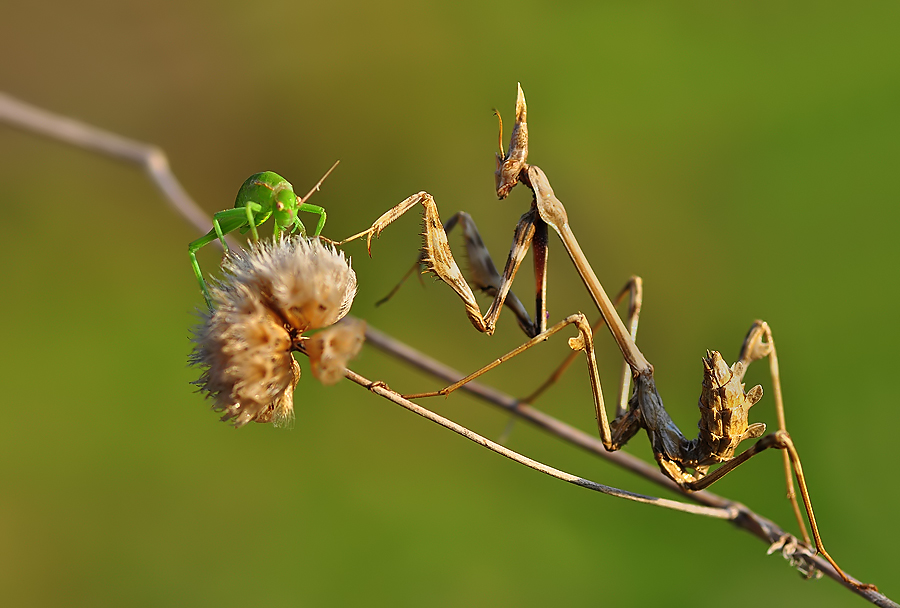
583 342
634 289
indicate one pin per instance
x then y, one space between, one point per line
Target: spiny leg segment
438 259
483 275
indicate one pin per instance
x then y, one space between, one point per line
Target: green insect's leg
217 228
251 221
318 211
223 223
192 251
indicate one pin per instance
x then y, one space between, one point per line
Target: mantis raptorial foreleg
438 258
483 275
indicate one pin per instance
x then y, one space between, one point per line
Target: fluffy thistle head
309 285
268 296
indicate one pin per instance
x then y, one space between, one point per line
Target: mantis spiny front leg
438 259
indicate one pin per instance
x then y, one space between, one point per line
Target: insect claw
376 232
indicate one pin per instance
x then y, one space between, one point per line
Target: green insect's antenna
318 185
302 205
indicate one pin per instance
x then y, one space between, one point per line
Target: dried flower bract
268 296
330 349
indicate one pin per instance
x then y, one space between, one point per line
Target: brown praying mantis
724 405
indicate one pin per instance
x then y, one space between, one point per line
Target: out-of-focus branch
32 119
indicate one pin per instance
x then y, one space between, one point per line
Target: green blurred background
742 159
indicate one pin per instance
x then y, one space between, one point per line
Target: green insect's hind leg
251 221
193 247
217 228
223 223
316 210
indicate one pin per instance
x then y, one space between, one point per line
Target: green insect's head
285 208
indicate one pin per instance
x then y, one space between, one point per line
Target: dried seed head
245 353
268 296
308 284
330 349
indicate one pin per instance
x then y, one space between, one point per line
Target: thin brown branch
381 389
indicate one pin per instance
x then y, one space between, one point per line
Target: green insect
262 196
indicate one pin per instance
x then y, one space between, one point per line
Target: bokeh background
741 159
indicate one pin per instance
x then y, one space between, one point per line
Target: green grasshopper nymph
264 195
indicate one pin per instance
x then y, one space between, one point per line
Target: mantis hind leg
758 345
781 440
